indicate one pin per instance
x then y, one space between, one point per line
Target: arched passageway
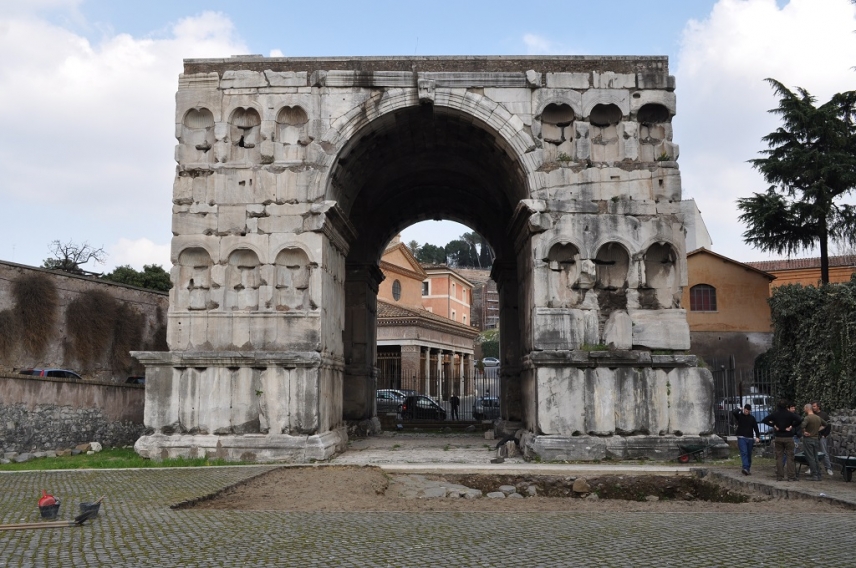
419 163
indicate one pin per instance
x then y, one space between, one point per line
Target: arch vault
292 176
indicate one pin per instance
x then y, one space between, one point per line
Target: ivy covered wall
814 343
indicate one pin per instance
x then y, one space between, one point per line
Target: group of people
791 431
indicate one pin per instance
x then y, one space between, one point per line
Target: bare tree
70 256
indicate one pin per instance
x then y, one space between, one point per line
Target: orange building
418 346
806 271
446 293
727 309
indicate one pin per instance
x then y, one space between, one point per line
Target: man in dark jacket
747 435
783 422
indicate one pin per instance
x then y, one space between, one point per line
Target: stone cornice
238 359
609 359
369 66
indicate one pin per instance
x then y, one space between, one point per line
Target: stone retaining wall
46 414
843 437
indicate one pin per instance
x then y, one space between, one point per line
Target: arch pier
293 175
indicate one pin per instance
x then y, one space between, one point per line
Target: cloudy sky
87 91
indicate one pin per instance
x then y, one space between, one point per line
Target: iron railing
733 388
478 391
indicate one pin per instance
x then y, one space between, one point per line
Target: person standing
812 424
454 402
827 430
747 436
783 422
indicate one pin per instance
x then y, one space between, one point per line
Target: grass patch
114 458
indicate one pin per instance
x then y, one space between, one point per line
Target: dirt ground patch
365 488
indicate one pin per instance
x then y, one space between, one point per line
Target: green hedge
814 343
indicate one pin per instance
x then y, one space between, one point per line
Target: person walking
454 402
783 422
747 436
812 424
824 434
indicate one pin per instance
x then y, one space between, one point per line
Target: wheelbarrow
696 452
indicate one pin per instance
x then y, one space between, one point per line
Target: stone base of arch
596 448
242 406
596 405
244 447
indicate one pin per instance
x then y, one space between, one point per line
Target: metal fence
734 388
478 391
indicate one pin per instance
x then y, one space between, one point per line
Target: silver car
388 401
486 408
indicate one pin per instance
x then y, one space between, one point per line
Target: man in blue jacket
747 435
784 423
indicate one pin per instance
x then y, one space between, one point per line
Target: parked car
490 362
388 400
55 373
420 406
486 408
138 380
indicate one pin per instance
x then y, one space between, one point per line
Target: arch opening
416 164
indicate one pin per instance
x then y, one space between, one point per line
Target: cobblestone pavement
137 528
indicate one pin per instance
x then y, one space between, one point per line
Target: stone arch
243 279
494 117
193 280
394 162
293 276
594 97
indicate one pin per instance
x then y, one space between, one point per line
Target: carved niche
245 135
292 281
655 133
662 282
557 128
604 119
197 136
194 280
566 270
242 281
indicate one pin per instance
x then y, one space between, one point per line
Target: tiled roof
801 263
745 265
385 310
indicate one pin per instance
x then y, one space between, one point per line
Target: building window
465 320
702 298
396 290
425 288
453 315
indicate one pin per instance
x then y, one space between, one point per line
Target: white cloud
137 253
723 99
89 133
539 45
276 53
